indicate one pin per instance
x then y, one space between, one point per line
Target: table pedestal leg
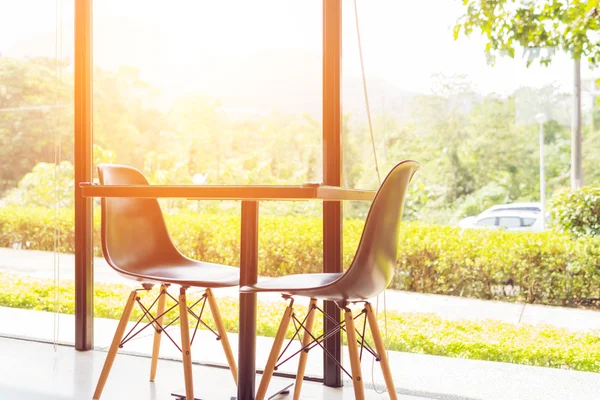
247 324
332 262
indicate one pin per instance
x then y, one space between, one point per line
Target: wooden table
249 196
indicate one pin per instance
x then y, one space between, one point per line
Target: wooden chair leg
157 333
310 322
114 347
380 347
222 333
359 391
274 354
186 351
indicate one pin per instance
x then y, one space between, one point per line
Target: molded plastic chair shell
137 245
373 266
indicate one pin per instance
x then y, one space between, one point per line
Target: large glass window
229 92
216 93
36 169
474 125
469 120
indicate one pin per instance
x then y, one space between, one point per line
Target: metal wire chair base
158 327
318 341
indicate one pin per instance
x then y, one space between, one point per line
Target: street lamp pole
541 119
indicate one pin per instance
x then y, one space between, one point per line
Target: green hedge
577 212
545 268
415 333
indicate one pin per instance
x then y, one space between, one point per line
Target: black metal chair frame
317 341
155 321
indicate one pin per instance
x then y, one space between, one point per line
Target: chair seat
187 272
318 286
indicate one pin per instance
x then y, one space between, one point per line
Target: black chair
369 274
137 245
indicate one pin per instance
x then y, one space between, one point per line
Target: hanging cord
364 80
57 174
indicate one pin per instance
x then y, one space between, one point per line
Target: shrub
577 212
545 268
40 186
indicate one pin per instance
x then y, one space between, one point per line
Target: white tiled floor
33 370
30 370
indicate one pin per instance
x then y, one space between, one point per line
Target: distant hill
286 81
283 80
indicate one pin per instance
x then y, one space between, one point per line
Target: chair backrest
373 266
134 234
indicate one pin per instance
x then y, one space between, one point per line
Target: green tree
47 185
36 116
198 134
127 119
475 151
440 138
569 25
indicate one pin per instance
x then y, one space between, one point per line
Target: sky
178 45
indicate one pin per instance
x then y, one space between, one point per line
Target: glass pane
486 222
470 121
528 221
36 169
217 93
509 222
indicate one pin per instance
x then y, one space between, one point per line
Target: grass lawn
415 333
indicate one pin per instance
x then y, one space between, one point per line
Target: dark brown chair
137 245
369 274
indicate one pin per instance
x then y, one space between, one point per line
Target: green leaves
37 115
543 268
577 212
571 26
47 185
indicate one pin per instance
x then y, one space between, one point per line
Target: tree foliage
569 25
47 185
577 212
36 116
474 150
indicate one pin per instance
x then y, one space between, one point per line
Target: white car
531 207
509 220
518 208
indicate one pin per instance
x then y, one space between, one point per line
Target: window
192 92
36 167
528 221
491 221
509 222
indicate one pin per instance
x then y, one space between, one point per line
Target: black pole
247 323
332 173
84 273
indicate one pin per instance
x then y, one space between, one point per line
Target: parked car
516 207
531 207
512 220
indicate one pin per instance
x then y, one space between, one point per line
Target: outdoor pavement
415 375
41 264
